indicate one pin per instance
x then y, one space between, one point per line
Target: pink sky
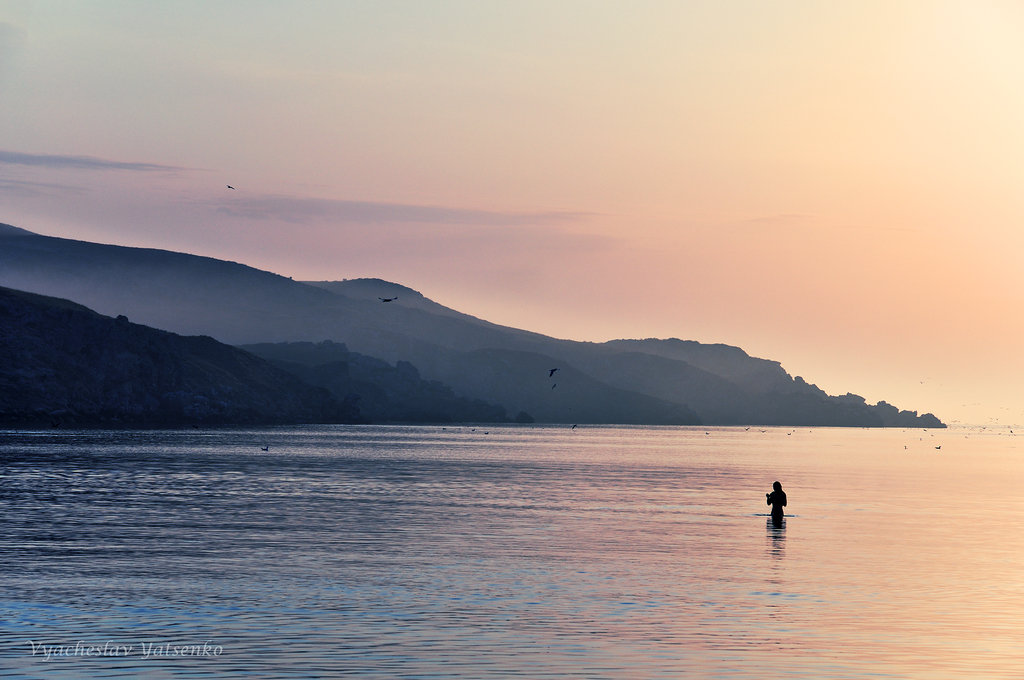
833 185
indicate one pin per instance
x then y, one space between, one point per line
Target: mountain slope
61 362
383 393
241 305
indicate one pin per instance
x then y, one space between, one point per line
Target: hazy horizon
828 185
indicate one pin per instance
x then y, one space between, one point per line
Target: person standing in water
776 499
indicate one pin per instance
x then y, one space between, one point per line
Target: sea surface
511 552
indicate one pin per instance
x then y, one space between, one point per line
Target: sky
832 185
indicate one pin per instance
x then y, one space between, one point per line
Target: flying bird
388 299
551 371
231 187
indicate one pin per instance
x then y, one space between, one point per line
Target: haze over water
512 552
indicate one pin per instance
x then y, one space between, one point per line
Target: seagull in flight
388 299
231 187
551 371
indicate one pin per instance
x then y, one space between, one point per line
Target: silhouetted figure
776 499
551 371
388 299
230 187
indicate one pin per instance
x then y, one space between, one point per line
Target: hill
508 377
624 381
383 393
62 363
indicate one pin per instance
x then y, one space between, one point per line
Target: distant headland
114 342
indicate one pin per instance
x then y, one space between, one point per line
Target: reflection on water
776 529
535 552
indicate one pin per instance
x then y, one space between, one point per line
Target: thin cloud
876 227
300 210
797 220
62 162
18 187
782 220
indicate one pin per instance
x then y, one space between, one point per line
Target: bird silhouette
264 448
551 371
388 299
554 386
231 187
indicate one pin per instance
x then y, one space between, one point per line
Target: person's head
777 486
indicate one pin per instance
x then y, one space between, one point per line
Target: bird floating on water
391 299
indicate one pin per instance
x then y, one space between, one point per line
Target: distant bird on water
264 448
388 299
551 371
231 187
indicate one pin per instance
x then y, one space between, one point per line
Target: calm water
532 552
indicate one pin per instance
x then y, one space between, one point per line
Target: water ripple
529 552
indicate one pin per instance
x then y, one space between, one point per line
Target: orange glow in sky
833 185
